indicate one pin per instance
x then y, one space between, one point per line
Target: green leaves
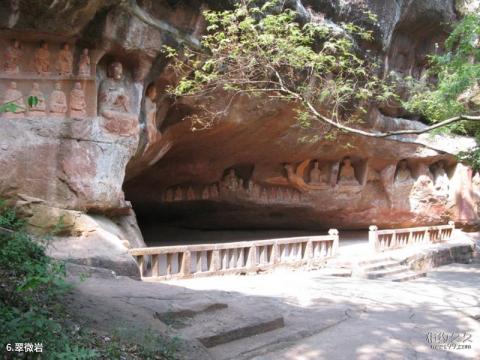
457 72
32 101
262 51
8 107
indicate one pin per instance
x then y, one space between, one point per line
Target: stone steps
298 325
387 271
382 265
224 325
407 276
383 268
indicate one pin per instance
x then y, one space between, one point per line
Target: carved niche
441 180
403 174
347 175
114 103
45 70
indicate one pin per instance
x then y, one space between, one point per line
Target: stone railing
382 240
185 261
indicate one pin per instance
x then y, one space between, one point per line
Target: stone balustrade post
216 263
252 258
450 232
426 238
141 265
309 251
336 241
275 253
155 265
185 266
373 238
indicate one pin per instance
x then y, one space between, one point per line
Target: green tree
263 51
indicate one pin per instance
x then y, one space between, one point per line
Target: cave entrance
192 223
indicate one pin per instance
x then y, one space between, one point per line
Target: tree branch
339 126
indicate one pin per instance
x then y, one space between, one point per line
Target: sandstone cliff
81 155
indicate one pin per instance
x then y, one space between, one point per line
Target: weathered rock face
105 107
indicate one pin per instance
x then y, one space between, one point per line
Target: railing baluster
155 265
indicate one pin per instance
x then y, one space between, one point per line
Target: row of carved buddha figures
57 102
436 172
233 184
42 62
344 174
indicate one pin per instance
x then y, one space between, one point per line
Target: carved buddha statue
12 57
442 182
78 104
178 194
84 69
347 173
403 174
58 101
213 191
230 181
190 194
41 59
13 95
150 112
316 175
64 64
40 108
114 103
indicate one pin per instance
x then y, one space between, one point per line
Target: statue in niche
442 182
12 57
64 64
150 111
347 173
403 175
279 194
84 67
114 103
231 182
178 194
190 194
169 195
58 101
13 95
249 186
272 196
41 59
40 108
295 178
263 195
296 197
256 190
213 191
316 175
78 104
206 193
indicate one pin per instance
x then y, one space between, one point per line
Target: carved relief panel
59 74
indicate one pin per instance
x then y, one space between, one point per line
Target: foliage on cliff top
456 90
264 51
457 73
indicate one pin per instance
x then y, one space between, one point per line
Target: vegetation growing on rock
264 51
32 294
